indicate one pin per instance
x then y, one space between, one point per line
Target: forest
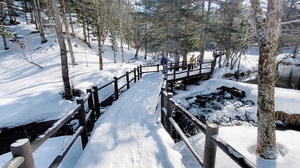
165 27
171 28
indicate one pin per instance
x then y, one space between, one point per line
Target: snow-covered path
128 134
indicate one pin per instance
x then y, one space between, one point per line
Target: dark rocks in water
249 103
30 131
233 91
227 75
77 92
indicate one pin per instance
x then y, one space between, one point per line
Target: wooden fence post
200 69
141 71
163 105
22 148
116 88
174 75
138 72
169 113
82 122
157 67
134 73
210 148
127 79
91 105
213 64
96 101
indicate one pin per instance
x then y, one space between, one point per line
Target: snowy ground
30 94
129 133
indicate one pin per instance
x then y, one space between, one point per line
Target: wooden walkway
186 74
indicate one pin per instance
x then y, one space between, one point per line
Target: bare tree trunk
145 57
203 37
32 19
136 52
84 30
99 33
71 23
268 30
35 18
295 52
115 55
1 23
10 11
122 50
228 53
4 42
63 51
121 32
41 26
63 8
25 10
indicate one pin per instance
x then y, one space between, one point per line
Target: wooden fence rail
22 149
212 140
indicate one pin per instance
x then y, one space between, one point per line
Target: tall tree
3 29
40 21
63 51
121 28
290 34
268 30
63 9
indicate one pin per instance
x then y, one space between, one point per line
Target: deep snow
29 94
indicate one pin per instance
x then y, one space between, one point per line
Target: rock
233 91
287 119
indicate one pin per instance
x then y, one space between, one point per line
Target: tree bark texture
84 30
4 42
268 30
63 51
99 34
63 8
40 21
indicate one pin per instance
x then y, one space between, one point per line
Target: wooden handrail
212 139
14 162
52 130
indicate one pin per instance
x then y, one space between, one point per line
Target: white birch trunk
63 51
40 21
268 30
63 7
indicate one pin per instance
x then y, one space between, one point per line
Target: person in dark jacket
164 60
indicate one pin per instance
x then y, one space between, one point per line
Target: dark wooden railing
212 140
22 149
181 71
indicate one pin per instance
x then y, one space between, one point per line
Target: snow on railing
22 149
22 152
211 130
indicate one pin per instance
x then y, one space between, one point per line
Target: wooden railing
181 68
22 149
212 140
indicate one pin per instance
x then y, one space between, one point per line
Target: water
288 77
30 131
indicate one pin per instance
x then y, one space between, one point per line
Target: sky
30 94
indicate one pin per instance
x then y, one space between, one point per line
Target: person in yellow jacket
192 61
